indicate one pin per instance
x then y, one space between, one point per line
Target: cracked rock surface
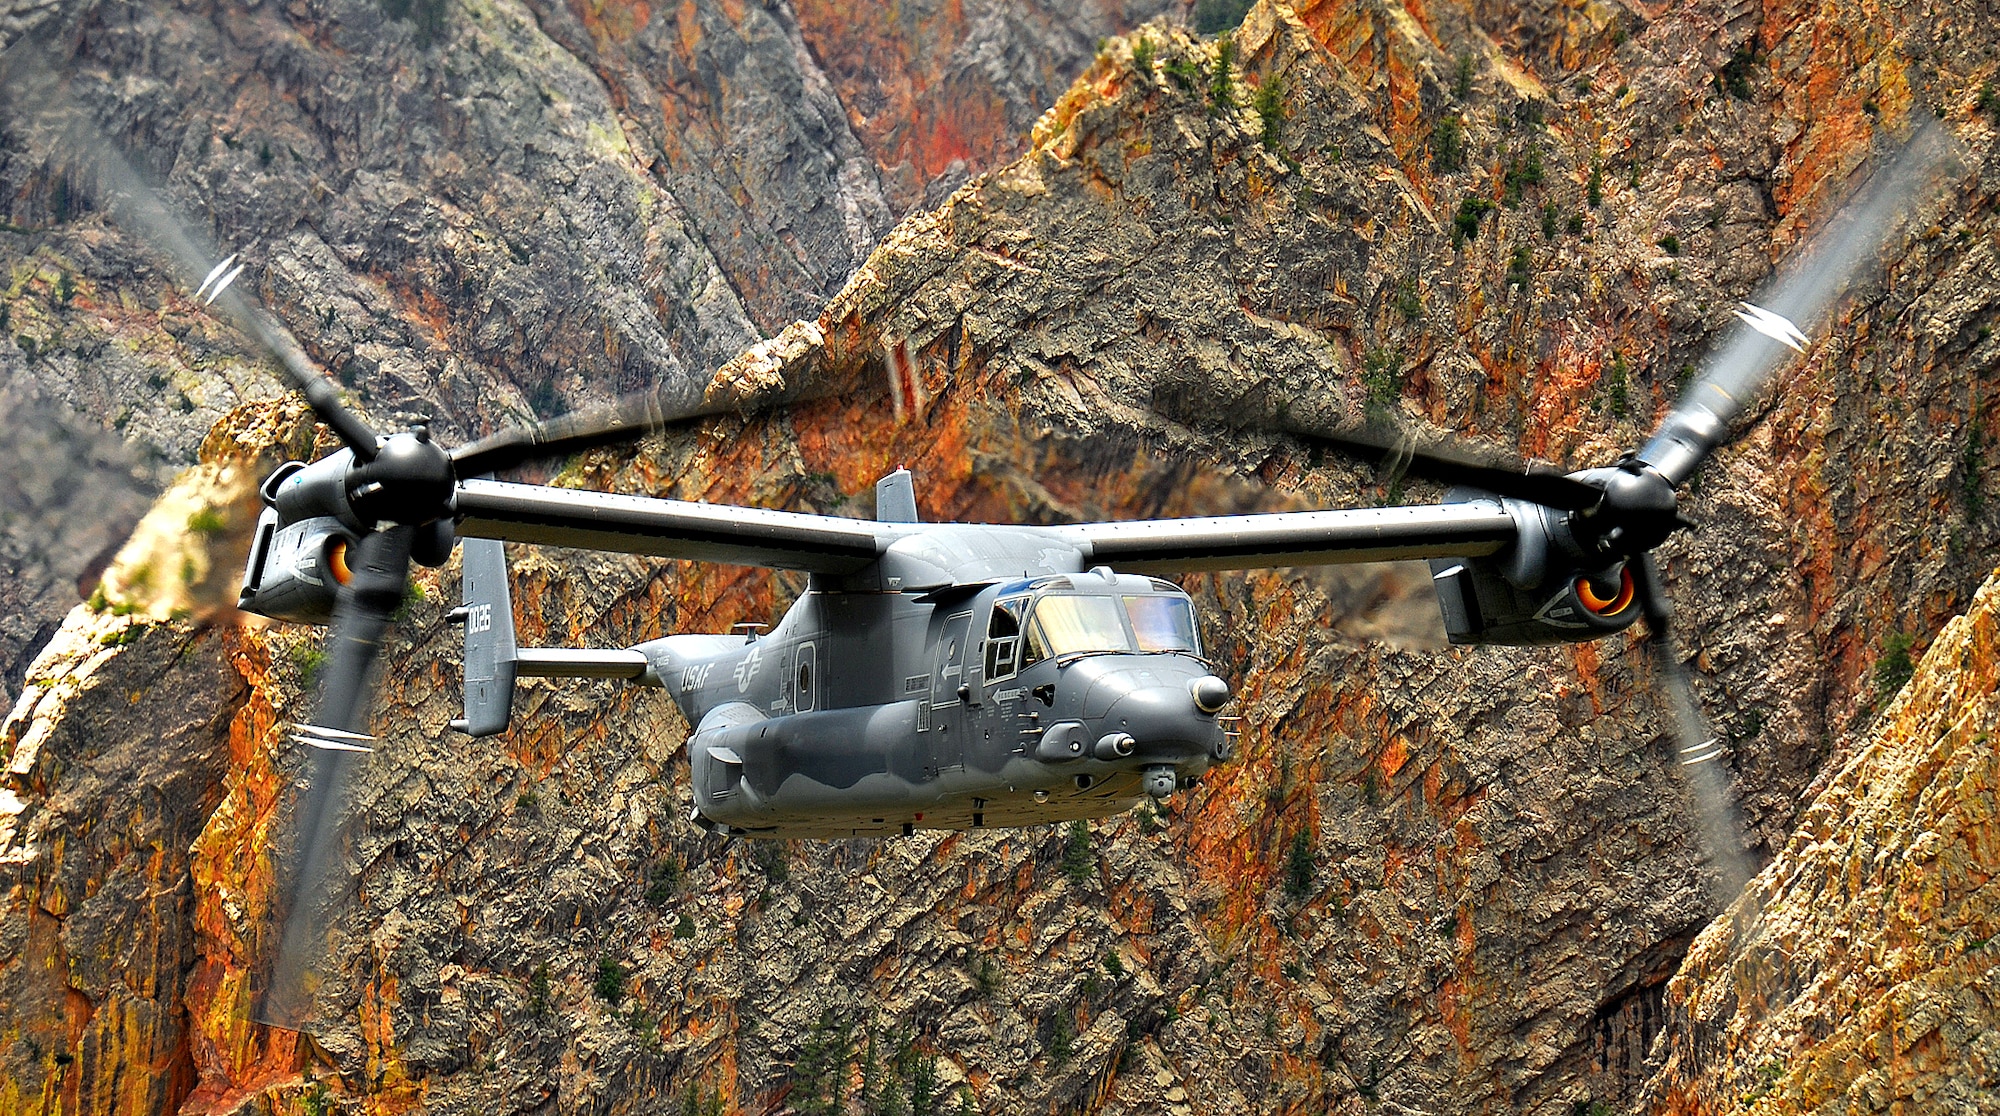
1855 973
1204 253
476 213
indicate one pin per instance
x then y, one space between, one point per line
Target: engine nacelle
296 569
1535 590
1481 606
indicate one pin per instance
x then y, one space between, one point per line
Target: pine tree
923 1086
871 1078
1076 860
819 1076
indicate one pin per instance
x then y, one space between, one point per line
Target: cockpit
1055 618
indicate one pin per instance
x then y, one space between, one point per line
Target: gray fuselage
1034 700
934 675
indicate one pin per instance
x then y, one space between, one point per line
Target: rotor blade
627 420
1651 589
1704 766
1536 483
1795 305
1700 757
119 189
313 877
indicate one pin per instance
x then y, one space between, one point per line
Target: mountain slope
471 212
1853 974
1501 873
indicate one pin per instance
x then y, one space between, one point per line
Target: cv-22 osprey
946 675
935 675
940 675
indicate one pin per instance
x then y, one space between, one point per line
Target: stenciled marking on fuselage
1557 612
695 677
479 618
746 671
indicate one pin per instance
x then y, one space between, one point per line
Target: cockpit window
1163 623
1071 625
1003 640
1086 623
1033 648
1007 617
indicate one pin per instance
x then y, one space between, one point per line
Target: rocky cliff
473 213
1854 974
1436 880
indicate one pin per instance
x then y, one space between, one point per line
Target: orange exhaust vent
336 561
1600 605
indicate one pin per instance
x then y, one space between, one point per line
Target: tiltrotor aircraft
941 675
935 675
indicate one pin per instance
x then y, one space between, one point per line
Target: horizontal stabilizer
580 662
493 660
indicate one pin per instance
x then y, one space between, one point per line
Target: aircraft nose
1160 715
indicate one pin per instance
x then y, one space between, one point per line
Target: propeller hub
1638 512
410 481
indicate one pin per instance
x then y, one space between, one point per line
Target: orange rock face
1181 279
917 108
936 91
115 902
1850 975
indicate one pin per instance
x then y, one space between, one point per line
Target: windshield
1162 623
1067 625
1071 624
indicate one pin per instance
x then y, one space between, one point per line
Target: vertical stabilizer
491 657
896 498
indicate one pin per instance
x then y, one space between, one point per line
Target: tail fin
896 498
491 657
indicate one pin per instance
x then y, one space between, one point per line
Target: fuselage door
948 711
805 678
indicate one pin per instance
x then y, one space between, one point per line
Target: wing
670 528
835 545
1312 538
